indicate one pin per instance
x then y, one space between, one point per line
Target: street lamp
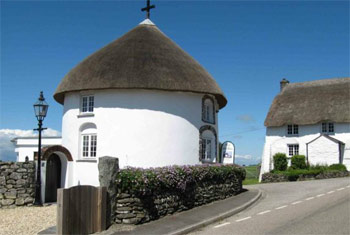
40 110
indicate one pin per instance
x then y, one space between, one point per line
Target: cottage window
208 110
89 145
328 127
87 104
206 148
293 129
293 149
88 140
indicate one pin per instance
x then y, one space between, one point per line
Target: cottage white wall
26 146
323 151
276 140
142 128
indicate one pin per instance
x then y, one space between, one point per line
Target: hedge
280 162
140 181
298 162
313 172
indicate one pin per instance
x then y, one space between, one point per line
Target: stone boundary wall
17 186
125 208
131 209
273 178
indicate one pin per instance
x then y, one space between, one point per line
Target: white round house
141 99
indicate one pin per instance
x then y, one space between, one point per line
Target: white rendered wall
26 146
323 151
277 140
142 128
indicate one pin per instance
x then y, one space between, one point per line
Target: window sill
86 160
85 115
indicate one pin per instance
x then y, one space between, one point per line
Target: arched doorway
53 177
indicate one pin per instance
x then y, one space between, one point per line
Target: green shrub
280 162
337 167
298 162
321 168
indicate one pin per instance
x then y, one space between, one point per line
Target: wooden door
53 178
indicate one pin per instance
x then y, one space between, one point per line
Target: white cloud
246 118
7 148
247 156
246 159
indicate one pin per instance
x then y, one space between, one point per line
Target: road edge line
218 217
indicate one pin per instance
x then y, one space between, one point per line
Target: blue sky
248 47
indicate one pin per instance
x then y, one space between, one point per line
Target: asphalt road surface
309 207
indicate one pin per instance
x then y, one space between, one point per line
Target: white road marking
264 212
239 220
220 225
348 186
309 198
330 192
339 189
297 202
281 207
320 195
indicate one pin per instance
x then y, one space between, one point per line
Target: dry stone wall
131 209
126 208
17 186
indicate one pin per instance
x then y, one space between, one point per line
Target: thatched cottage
312 119
141 99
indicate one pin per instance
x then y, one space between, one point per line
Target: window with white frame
87 104
208 111
327 127
292 129
88 140
293 149
89 145
206 148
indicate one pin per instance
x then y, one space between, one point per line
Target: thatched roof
311 102
144 58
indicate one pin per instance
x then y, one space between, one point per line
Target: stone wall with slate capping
17 187
125 208
131 209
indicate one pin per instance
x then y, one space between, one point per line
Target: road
309 207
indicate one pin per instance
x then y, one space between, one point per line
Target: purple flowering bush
180 179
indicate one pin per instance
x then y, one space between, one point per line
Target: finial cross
148 8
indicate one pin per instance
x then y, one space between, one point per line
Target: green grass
252 176
250 181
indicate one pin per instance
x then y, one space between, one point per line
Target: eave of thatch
311 102
144 58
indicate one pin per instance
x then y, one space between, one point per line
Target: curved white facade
143 128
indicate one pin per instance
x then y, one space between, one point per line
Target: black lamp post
40 109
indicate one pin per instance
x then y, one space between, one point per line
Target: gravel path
27 220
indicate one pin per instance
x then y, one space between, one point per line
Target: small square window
292 129
293 149
328 127
87 104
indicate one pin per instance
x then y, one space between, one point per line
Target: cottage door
53 178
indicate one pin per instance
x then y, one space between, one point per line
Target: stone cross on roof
148 8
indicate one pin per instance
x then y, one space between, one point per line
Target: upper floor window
293 130
328 127
87 104
208 110
293 149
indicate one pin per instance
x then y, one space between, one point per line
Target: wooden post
81 210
